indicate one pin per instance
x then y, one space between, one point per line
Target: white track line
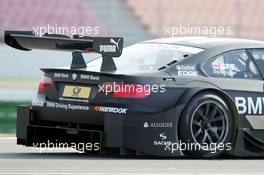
7 138
117 173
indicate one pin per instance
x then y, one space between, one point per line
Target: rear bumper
125 133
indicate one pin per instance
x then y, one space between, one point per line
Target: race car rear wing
108 47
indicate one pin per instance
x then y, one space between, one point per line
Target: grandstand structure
135 20
112 17
26 14
243 16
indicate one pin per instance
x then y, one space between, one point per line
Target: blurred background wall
135 20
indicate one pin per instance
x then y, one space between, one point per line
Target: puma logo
115 43
113 47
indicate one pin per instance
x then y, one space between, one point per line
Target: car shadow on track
82 156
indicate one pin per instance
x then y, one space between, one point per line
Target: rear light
44 84
123 90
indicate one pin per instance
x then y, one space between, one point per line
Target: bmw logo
74 76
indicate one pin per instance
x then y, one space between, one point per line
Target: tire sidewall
185 133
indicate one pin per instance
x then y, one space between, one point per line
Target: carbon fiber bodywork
146 126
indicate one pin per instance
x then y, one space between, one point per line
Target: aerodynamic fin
109 47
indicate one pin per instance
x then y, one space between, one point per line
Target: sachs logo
163 136
162 140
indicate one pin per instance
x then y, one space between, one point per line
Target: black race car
189 96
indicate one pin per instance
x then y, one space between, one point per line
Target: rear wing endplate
108 47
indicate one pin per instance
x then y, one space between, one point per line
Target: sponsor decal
163 136
162 140
169 79
89 77
76 90
186 67
250 105
114 47
37 103
61 75
110 109
67 106
107 48
74 76
74 99
145 125
188 73
158 125
186 70
215 66
116 43
224 67
229 70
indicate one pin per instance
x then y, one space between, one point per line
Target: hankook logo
110 109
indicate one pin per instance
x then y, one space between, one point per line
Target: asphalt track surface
22 160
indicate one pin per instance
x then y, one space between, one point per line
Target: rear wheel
206 126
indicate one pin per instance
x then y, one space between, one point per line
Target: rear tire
207 126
